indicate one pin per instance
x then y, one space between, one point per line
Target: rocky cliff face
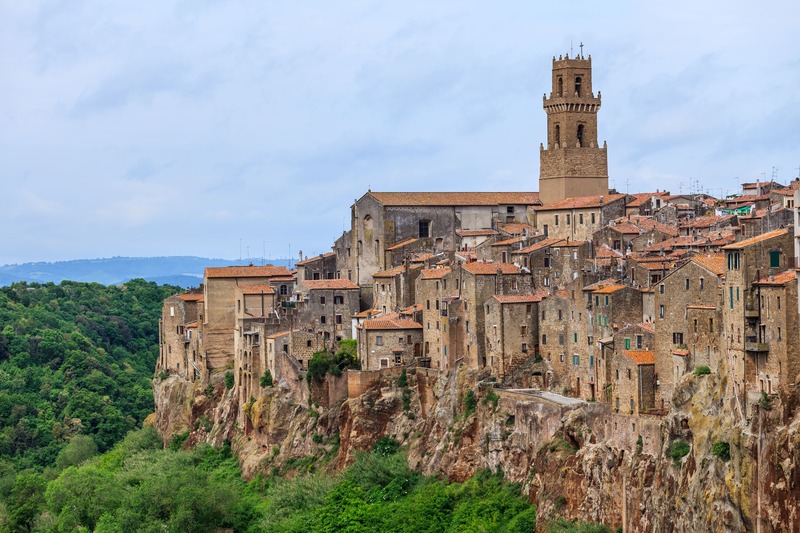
577 462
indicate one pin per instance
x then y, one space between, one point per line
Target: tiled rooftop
782 278
268 271
435 273
489 269
402 244
757 239
582 202
641 357
455 198
713 262
391 323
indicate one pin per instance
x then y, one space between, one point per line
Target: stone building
478 283
572 164
748 260
633 381
326 308
179 350
577 219
554 262
775 365
434 287
219 319
390 341
394 288
512 333
688 321
380 220
322 266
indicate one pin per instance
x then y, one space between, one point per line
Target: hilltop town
573 299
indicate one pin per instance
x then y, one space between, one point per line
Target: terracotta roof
656 265
685 241
648 326
308 260
435 273
402 244
411 309
420 258
642 197
713 262
702 307
539 245
747 199
488 269
517 228
366 314
609 289
582 202
509 242
758 238
569 244
600 284
706 222
682 352
517 298
193 325
626 228
783 278
476 232
268 271
455 198
256 289
604 252
391 323
641 357
392 272
317 284
191 297
281 334
649 224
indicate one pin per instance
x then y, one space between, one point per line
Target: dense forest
76 363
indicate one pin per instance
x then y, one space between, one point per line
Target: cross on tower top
581 47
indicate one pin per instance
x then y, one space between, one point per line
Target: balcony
751 311
751 344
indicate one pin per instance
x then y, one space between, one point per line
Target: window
384 363
677 338
523 330
529 307
661 311
710 324
171 311
629 373
555 220
322 300
338 300
524 347
686 284
780 337
779 302
338 319
428 305
580 219
547 262
322 319
544 339
284 290
695 326
568 219
379 340
575 337
424 228
606 300
578 87
639 342
437 305
562 357
730 296
542 314
774 258
308 344
560 86
576 360
661 288
560 315
510 209
592 218
702 283
561 339
627 343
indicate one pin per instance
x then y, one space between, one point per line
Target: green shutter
627 344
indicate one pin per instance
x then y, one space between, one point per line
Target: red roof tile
489 269
713 262
268 271
582 202
788 276
391 323
192 297
309 260
402 244
758 238
455 198
435 273
641 357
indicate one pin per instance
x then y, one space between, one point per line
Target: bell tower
572 164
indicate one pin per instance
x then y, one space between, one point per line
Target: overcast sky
145 128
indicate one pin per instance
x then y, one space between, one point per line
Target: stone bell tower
572 164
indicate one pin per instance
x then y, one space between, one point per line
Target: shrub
229 380
177 441
317 438
702 370
765 402
402 381
470 403
386 446
319 365
678 450
722 450
639 444
209 391
266 379
491 397
406 399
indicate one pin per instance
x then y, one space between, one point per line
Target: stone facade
512 333
326 309
389 342
579 218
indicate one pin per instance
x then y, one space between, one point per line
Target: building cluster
578 290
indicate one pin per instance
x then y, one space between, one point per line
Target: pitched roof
782 278
281 334
539 245
713 262
392 272
649 224
508 242
391 323
366 313
626 228
641 357
648 326
192 297
489 269
309 260
600 284
316 284
455 198
268 271
610 289
476 232
255 289
517 228
582 202
517 298
604 252
435 273
758 238
402 244
706 222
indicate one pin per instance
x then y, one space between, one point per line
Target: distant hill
184 271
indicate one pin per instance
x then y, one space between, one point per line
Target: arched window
578 86
560 86
368 223
558 134
580 134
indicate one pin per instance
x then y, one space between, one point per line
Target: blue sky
199 127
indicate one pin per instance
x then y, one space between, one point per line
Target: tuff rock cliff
580 462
